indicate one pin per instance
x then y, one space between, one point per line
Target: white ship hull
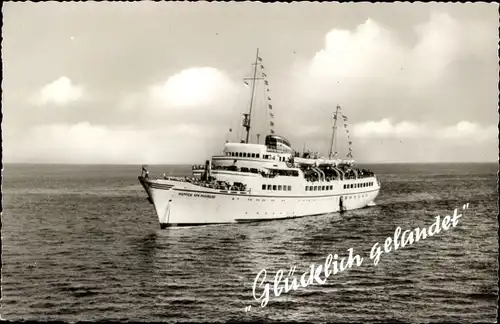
180 203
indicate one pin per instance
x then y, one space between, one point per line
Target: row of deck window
318 188
358 185
277 187
348 197
243 154
256 156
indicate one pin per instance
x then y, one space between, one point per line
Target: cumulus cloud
87 143
386 128
371 62
194 88
469 131
59 92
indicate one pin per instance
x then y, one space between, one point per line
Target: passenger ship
257 182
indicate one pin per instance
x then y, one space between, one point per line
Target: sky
162 83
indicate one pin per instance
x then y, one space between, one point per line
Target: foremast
247 121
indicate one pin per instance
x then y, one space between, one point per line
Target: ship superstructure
256 182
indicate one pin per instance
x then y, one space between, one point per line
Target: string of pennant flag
270 106
349 154
344 119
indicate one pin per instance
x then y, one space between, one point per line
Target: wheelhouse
276 143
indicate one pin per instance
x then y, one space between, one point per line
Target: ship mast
335 117
248 117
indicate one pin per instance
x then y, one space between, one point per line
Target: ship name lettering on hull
187 194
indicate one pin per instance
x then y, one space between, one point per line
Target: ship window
331 187
307 188
315 188
279 187
274 187
263 187
323 188
257 156
344 186
289 188
269 187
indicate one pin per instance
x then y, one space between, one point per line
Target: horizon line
186 163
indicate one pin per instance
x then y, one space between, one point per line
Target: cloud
87 143
204 96
463 130
59 92
385 128
194 88
372 71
